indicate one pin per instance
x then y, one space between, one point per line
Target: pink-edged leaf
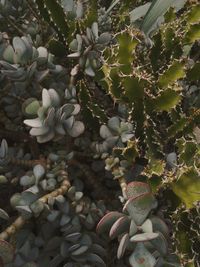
107 221
135 189
122 245
139 207
144 237
119 227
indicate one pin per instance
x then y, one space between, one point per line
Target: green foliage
109 93
186 232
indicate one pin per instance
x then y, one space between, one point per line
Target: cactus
100 108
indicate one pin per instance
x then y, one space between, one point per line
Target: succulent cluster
87 48
136 228
23 69
53 120
115 133
100 108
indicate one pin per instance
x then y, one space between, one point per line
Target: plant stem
123 185
20 221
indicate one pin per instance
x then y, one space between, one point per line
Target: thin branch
20 221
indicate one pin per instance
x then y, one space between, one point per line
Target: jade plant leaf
119 227
141 257
135 189
107 221
122 245
144 237
139 207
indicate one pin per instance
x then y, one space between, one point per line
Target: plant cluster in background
100 133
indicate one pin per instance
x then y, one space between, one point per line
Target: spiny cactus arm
184 124
42 10
20 221
154 147
58 15
110 81
91 109
174 72
193 27
48 11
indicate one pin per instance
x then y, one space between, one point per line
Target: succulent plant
54 120
116 133
87 48
24 68
104 20
132 68
64 237
136 228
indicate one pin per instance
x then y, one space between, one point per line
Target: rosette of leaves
53 119
87 49
137 229
116 133
23 70
22 61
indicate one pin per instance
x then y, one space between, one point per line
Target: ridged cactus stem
20 221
